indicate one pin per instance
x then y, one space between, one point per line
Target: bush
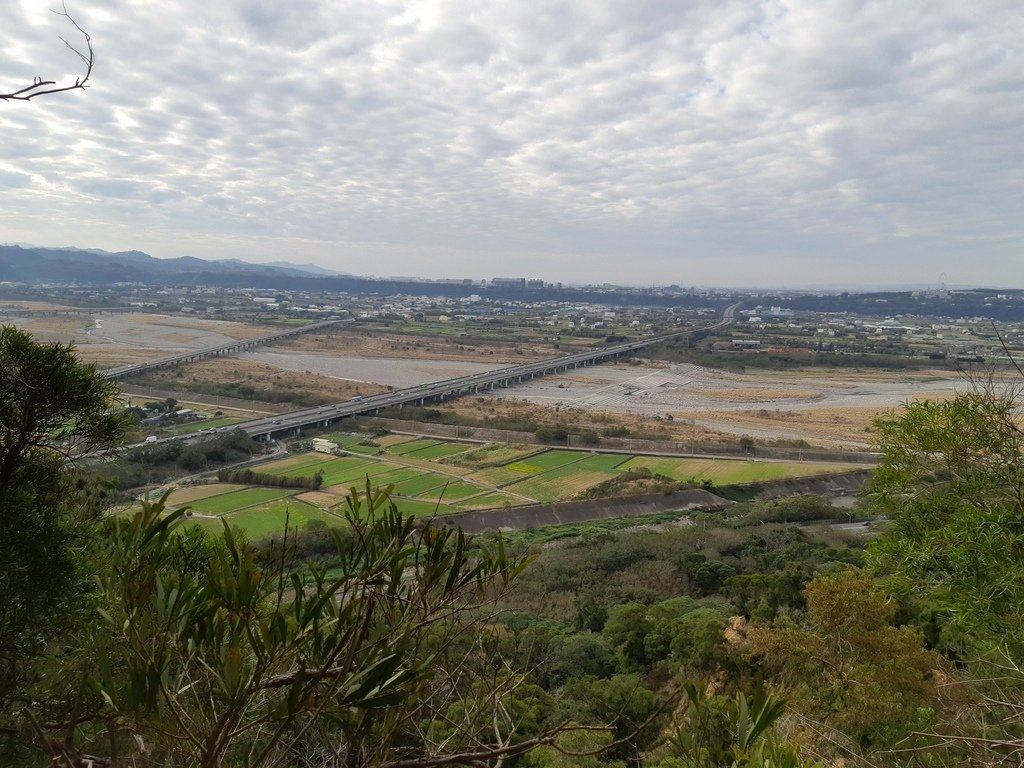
251 477
552 434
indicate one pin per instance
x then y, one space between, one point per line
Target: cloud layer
706 142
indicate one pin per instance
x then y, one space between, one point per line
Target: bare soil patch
33 305
226 327
362 343
221 375
834 427
480 408
51 329
110 340
757 394
831 408
389 440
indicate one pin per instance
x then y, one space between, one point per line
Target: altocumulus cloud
711 141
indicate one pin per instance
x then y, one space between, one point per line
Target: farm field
492 455
546 461
269 519
389 440
293 464
412 446
453 490
728 472
181 496
559 484
497 476
441 450
356 444
235 500
424 480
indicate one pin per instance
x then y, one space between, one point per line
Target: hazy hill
74 265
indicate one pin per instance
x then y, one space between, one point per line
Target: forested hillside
772 634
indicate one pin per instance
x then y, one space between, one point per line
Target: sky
640 142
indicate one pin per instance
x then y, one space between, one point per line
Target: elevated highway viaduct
234 347
282 425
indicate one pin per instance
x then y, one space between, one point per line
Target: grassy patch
726 471
490 456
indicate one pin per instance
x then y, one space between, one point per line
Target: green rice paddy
229 502
423 479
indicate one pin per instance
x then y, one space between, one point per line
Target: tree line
250 476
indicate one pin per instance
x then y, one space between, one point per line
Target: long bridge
65 311
234 347
281 425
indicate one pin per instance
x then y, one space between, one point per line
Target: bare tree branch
41 87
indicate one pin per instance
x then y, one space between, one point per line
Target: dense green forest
766 635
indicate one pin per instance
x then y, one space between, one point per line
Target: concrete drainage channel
538 515
567 512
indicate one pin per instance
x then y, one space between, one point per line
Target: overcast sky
700 142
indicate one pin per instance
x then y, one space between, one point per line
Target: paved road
124 371
324 416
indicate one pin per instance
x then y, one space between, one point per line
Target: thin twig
41 87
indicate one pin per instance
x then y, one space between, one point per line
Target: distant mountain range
85 266
30 264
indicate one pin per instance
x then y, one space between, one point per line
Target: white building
324 446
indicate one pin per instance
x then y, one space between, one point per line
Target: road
224 349
293 423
